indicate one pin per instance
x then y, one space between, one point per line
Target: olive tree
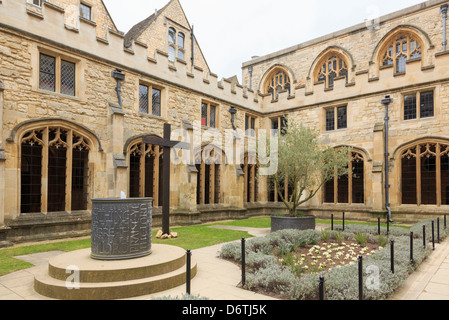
305 165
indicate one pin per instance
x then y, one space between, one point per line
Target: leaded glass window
330 119
144 100
410 107
331 68
47 72
425 174
54 171
426 104
156 102
176 44
336 118
208 115
419 105
278 82
342 122
400 51
349 188
57 75
67 78
85 11
145 171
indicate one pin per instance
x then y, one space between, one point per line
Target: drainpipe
386 103
119 76
233 111
193 46
443 10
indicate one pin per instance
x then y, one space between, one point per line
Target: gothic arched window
348 188
145 172
54 170
208 163
277 82
334 66
398 52
425 174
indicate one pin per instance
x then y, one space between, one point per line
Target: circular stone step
164 259
152 280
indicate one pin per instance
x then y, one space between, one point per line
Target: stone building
78 98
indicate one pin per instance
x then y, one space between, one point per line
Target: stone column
116 164
377 170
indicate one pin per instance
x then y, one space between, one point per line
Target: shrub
341 283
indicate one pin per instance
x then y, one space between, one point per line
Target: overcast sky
230 32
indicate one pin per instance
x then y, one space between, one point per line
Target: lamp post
386 102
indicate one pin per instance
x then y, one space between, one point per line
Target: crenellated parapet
49 25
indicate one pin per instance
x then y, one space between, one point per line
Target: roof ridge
140 27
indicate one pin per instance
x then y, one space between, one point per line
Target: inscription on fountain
121 228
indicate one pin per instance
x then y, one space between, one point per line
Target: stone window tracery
334 66
348 188
54 170
398 52
425 174
208 163
277 82
145 171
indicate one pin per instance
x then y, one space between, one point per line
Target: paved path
218 279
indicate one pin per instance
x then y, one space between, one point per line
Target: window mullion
438 173
418 174
44 187
69 164
350 176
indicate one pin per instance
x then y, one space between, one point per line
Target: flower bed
274 264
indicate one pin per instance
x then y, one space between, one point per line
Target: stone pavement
218 279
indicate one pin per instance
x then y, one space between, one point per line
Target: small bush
361 238
267 275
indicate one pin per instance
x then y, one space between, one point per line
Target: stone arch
349 189
422 168
18 131
56 161
421 36
263 84
329 51
209 162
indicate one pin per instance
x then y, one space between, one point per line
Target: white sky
230 32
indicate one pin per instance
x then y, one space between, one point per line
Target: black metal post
188 271
392 255
243 262
343 221
360 277
433 235
378 225
166 182
438 230
388 227
321 288
386 103
424 235
332 222
411 247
